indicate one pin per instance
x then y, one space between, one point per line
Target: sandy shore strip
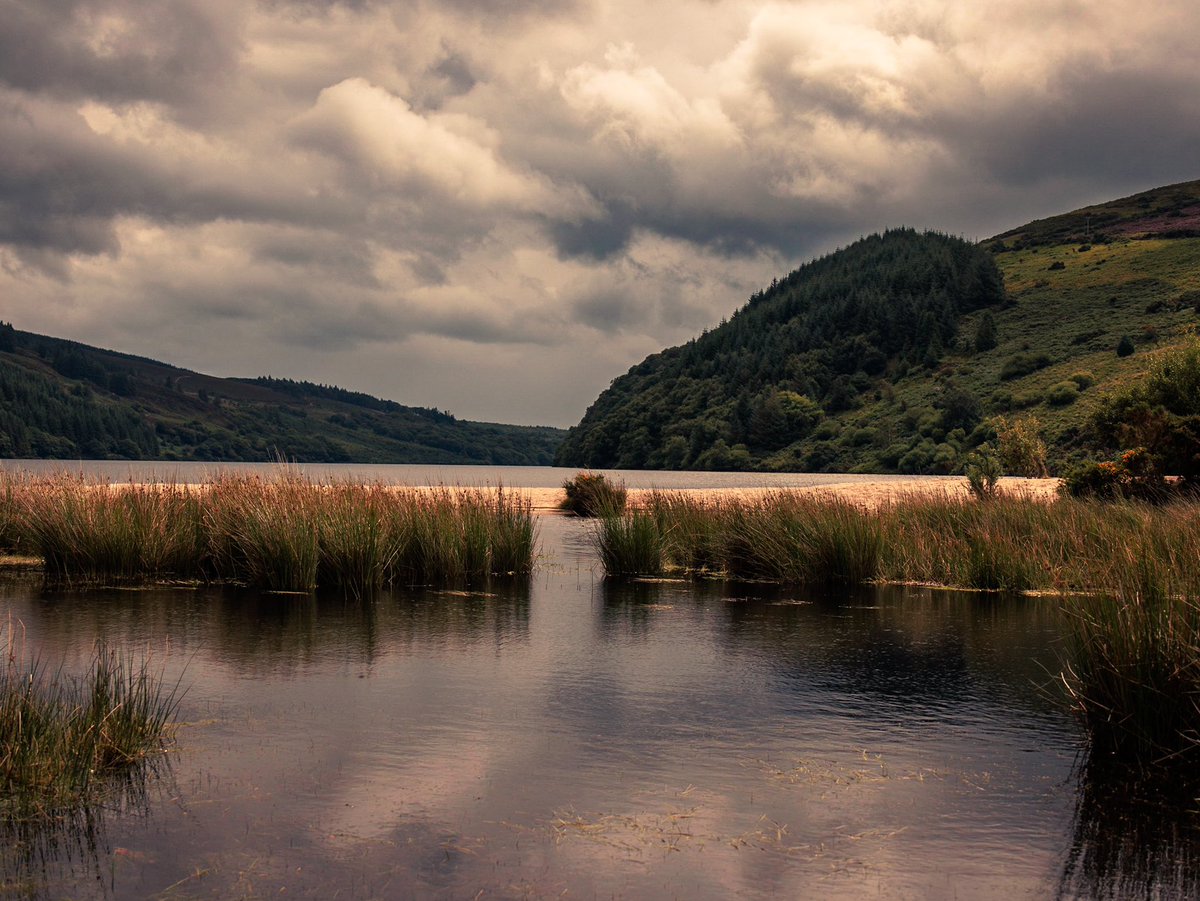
869 493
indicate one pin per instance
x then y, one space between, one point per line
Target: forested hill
820 342
64 400
904 353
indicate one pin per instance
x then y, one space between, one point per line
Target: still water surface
569 736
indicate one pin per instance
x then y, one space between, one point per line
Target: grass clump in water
631 544
1133 671
88 532
60 736
593 494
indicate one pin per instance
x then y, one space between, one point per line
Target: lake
572 737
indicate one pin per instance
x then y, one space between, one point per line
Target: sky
496 207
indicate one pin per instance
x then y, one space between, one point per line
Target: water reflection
52 855
1135 835
259 632
814 742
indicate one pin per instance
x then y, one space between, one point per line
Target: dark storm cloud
1108 125
153 49
62 186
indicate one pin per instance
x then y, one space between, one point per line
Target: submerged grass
287 533
61 736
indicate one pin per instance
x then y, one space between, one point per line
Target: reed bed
1011 543
286 533
60 734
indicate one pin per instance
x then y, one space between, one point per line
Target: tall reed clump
464 534
358 537
60 734
10 534
92 532
783 538
264 532
631 544
1133 668
1010 543
787 537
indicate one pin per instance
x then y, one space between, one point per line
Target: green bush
983 472
1125 346
1132 476
1083 379
1023 364
1062 394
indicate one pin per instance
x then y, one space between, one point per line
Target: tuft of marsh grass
631 544
264 532
1011 543
60 734
593 494
88 532
1134 667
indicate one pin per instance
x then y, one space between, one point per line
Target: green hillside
900 352
64 400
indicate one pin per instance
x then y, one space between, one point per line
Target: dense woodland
831 334
63 400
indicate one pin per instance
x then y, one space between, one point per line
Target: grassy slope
1075 315
203 417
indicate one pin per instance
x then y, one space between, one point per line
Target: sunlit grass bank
287 533
1127 575
62 737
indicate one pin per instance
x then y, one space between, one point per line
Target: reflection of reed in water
49 857
263 632
256 632
631 605
1135 836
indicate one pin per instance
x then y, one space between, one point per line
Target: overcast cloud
498 207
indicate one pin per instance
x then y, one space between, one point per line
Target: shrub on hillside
1132 476
1062 394
1083 379
1020 446
1161 412
1023 364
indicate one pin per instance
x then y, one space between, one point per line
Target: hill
64 400
904 351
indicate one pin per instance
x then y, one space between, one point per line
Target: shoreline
868 493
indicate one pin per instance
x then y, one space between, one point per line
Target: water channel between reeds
567 735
